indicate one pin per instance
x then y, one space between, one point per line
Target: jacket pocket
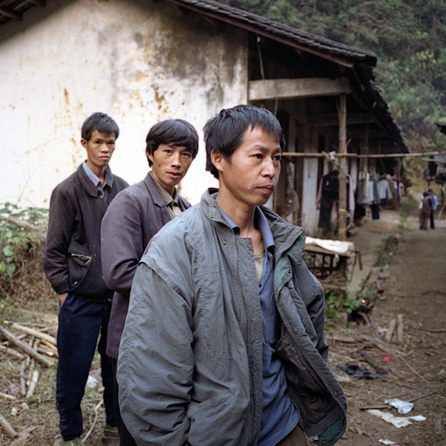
306 388
79 263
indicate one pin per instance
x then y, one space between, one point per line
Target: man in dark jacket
72 264
135 216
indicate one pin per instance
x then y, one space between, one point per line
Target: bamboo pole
11 352
7 427
33 384
26 348
23 378
357 155
342 175
32 332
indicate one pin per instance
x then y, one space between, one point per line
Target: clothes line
355 155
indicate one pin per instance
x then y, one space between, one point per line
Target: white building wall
138 61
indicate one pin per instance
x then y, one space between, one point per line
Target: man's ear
84 143
149 156
217 159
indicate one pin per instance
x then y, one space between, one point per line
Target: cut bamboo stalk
32 386
7 427
11 352
26 324
30 372
32 332
49 345
47 352
22 378
400 331
390 331
8 397
26 348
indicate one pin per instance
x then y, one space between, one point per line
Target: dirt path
415 288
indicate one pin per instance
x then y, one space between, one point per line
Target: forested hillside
409 38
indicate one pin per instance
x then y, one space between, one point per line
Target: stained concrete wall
138 61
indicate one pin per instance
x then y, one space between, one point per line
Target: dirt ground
413 286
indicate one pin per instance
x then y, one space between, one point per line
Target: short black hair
224 133
100 122
174 132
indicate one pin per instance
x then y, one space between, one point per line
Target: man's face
169 165
100 148
248 179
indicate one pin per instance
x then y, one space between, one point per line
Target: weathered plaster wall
139 61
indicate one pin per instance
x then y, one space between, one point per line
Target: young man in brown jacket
136 216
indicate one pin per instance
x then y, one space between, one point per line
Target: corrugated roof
277 31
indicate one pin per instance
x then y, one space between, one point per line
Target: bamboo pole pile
30 344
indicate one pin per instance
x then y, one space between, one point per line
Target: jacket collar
285 234
158 200
88 184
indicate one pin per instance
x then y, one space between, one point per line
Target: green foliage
350 303
332 305
15 239
409 38
347 302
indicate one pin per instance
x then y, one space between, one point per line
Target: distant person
223 342
425 207
72 264
433 205
135 216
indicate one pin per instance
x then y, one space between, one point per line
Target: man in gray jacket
223 342
135 216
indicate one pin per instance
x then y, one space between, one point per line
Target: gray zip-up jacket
190 362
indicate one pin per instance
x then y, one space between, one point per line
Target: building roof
361 62
286 34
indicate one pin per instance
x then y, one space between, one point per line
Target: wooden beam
331 119
38 2
296 88
342 174
12 15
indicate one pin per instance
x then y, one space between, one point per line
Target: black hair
100 122
174 132
225 132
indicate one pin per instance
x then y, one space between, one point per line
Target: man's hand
62 298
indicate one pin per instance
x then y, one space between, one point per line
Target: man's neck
243 216
98 171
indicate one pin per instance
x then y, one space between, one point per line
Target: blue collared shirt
279 415
90 174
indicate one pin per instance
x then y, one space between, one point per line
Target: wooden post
342 175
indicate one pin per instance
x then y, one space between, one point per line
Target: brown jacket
132 219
